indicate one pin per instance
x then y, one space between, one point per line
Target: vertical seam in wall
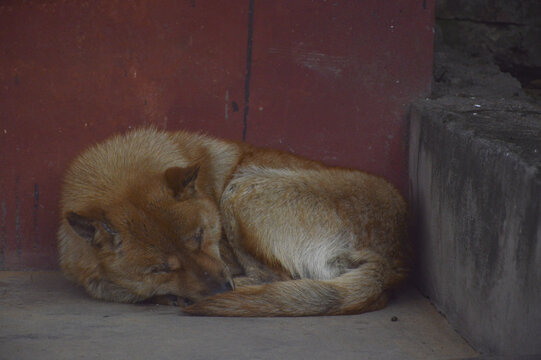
36 212
18 235
3 231
248 67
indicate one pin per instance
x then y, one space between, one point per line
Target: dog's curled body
310 239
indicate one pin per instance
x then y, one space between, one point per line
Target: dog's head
160 237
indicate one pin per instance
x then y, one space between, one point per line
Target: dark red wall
330 80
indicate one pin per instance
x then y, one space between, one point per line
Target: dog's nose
223 287
227 286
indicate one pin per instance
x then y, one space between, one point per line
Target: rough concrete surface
43 316
508 31
475 175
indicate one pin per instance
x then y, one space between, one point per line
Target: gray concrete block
518 12
508 32
475 175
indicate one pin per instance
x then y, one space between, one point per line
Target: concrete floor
43 316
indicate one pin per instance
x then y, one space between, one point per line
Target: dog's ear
181 179
86 226
82 225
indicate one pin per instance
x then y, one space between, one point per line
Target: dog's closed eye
159 269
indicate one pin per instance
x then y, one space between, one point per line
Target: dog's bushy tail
359 290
